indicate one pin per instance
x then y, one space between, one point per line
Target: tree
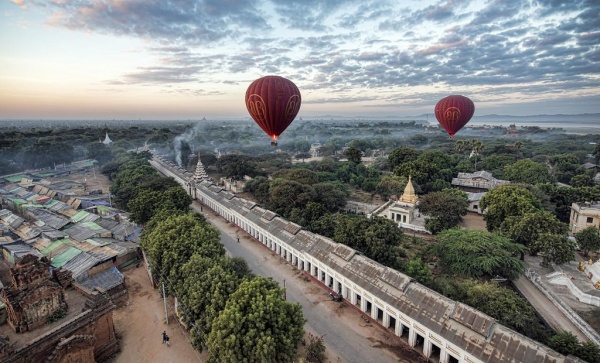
589 352
554 248
144 205
502 304
528 227
565 343
99 152
527 171
460 146
377 238
353 154
332 195
257 325
588 240
506 201
302 156
474 253
236 166
391 185
445 209
172 241
203 287
418 270
402 155
476 148
286 195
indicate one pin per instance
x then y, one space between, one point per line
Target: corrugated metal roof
66 256
105 280
49 218
80 264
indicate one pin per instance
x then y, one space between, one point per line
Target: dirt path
139 322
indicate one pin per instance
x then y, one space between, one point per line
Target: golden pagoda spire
409 195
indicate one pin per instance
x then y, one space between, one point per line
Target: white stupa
107 140
200 173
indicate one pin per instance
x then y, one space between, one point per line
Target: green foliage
445 209
391 185
236 166
505 201
527 171
564 197
257 325
57 315
302 176
432 170
285 195
474 253
100 152
565 343
588 239
528 227
402 155
418 270
315 351
144 205
554 248
172 241
501 303
377 238
203 286
565 167
353 154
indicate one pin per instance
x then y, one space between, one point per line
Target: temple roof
409 195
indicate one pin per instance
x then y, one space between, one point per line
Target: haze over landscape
184 59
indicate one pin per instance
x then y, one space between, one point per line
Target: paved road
344 342
546 308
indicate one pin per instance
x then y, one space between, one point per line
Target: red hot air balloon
453 112
273 102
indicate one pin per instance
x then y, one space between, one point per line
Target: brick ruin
87 337
34 297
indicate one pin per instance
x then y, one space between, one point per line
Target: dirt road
140 322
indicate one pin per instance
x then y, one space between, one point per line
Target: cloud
19 3
173 21
343 48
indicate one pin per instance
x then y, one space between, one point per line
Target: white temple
200 173
403 210
107 140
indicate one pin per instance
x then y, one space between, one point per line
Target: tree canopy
257 325
172 241
588 239
506 201
445 209
474 253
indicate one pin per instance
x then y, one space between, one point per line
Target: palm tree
476 148
460 146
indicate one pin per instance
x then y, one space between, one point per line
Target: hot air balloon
273 102
453 112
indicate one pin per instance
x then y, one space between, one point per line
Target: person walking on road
165 338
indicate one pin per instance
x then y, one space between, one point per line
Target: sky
176 59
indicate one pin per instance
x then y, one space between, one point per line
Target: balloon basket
273 143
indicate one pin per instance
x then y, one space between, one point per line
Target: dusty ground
473 221
140 321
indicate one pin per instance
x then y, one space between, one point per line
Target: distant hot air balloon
453 112
273 102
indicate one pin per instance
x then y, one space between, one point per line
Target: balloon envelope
273 102
453 112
